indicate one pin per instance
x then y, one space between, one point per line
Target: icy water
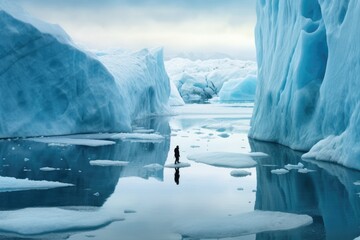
137 202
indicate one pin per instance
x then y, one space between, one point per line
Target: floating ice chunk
179 165
279 171
224 159
153 167
357 183
49 169
224 135
72 141
35 221
108 163
305 170
239 173
9 184
138 137
244 224
291 166
143 131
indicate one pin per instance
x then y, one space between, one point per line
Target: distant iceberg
308 72
49 86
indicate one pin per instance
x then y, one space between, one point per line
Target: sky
202 27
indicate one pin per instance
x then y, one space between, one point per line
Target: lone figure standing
177 154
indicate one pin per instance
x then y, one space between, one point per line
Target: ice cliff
201 80
308 71
49 86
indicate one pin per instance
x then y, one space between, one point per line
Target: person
177 176
177 154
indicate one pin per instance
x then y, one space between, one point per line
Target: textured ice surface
108 163
243 224
242 89
35 221
309 77
9 184
51 87
224 159
201 80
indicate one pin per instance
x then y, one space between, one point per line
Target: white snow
72 141
108 163
243 224
10 184
239 173
224 159
53 87
35 221
153 167
178 165
201 80
139 137
279 171
308 84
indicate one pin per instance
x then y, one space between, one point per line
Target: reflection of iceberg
328 195
24 159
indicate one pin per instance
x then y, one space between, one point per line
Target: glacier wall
51 87
308 72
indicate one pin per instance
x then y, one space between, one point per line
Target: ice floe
243 224
305 170
179 165
138 137
36 221
49 169
108 163
297 166
240 173
224 159
279 171
10 184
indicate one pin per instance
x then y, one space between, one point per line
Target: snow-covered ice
178 165
279 171
72 141
10 184
224 159
36 221
307 96
239 173
52 87
108 163
49 169
201 80
243 224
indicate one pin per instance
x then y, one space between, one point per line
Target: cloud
178 25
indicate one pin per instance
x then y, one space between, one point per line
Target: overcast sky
201 26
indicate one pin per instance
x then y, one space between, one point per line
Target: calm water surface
151 204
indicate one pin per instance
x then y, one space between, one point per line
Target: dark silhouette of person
177 176
177 154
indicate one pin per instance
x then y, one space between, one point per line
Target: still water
133 202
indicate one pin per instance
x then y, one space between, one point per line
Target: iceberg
50 86
308 67
201 80
239 89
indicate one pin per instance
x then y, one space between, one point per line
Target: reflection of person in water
177 154
177 176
